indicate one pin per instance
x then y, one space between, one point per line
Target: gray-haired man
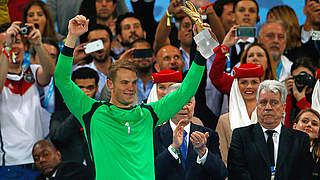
269 150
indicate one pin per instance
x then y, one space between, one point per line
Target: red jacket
221 80
302 104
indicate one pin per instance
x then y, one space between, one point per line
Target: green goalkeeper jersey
120 140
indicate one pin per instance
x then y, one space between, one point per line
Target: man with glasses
267 149
273 35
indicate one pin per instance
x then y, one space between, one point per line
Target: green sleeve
77 102
171 104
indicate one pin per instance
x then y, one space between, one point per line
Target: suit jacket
67 135
167 167
70 170
224 131
248 157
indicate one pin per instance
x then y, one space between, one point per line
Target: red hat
318 74
248 70
167 75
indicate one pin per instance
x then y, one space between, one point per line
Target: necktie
242 46
270 146
184 149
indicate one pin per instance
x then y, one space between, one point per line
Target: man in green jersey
120 137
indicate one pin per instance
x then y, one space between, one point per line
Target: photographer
20 102
300 86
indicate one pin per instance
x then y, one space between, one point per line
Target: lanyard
26 60
48 97
228 63
279 68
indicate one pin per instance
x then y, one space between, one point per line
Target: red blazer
302 104
221 80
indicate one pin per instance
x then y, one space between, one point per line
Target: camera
142 53
303 79
246 32
24 29
93 46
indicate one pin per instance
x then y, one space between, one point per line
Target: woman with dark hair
300 87
38 13
308 121
255 54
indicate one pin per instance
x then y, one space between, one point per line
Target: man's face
52 51
104 8
169 57
312 11
143 64
186 112
185 32
101 55
273 37
123 87
270 109
227 17
88 86
131 30
246 13
46 158
18 49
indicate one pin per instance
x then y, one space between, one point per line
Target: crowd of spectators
89 90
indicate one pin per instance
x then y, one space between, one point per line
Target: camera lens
24 30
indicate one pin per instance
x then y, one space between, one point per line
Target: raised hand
177 137
34 37
230 38
174 8
194 15
12 32
128 55
199 141
297 94
79 53
78 26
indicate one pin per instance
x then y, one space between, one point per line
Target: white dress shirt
275 137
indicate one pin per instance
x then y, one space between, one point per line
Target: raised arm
46 69
3 70
222 81
11 38
164 27
77 102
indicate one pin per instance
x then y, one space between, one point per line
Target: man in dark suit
268 150
48 160
187 151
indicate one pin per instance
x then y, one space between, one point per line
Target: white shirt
275 137
285 70
249 41
185 59
305 35
20 122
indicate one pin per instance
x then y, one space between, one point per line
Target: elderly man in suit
268 150
185 151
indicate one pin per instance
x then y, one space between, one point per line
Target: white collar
186 128
277 129
249 40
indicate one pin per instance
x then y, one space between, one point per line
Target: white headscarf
238 114
316 97
153 96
